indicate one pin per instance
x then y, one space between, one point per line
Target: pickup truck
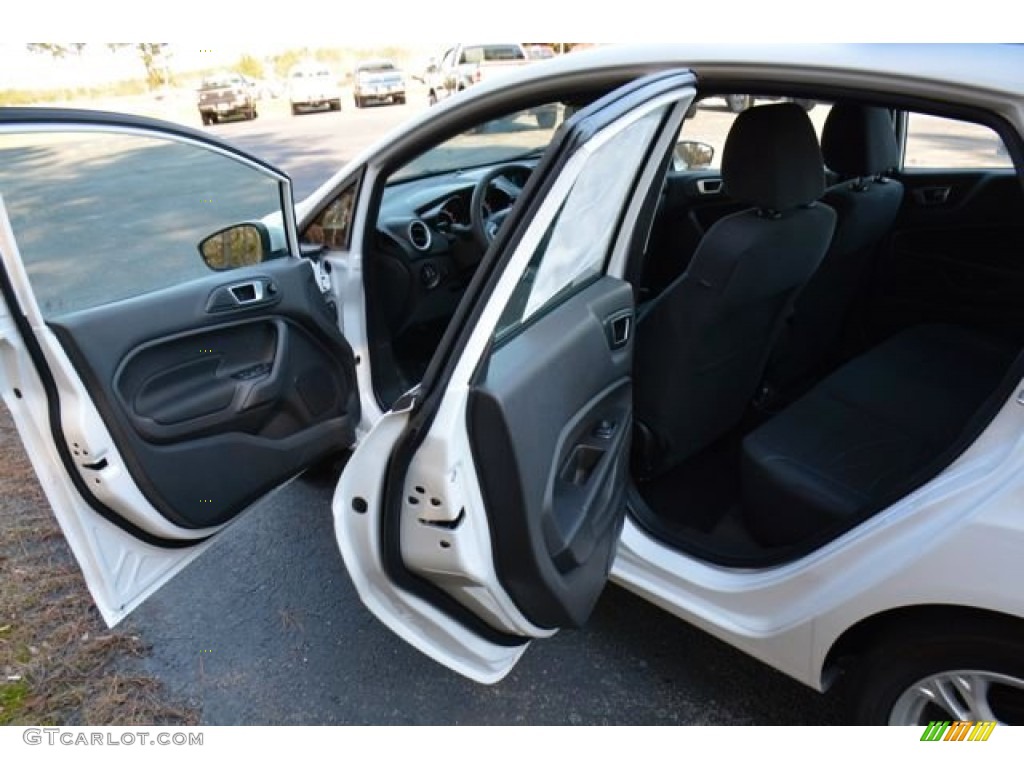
469 63
226 95
312 85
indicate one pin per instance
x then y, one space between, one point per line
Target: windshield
225 81
477 53
377 66
520 134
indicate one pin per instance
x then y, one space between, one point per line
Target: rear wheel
938 674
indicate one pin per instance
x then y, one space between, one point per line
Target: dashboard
426 239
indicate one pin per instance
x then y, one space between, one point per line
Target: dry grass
59 664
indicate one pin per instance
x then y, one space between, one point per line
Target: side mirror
693 155
240 245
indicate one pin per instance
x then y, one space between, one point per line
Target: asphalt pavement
266 628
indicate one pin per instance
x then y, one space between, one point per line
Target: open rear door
498 516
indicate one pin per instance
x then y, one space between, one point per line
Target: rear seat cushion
865 429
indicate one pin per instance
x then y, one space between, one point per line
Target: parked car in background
540 52
312 85
378 81
226 95
467 64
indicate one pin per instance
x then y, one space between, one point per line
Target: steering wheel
486 225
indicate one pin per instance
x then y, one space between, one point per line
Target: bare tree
153 55
57 50
154 59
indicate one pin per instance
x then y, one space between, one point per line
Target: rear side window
943 143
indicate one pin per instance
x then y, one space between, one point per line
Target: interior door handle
259 291
932 195
619 328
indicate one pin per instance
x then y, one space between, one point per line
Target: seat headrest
772 159
859 140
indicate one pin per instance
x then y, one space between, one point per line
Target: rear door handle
619 328
932 195
710 186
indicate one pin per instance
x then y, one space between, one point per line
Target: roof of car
990 66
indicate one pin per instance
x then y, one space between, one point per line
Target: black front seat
702 344
859 144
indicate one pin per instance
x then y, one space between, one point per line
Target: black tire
336 105
738 102
893 667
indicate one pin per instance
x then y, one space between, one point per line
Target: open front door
158 393
498 516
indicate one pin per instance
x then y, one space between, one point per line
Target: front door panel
158 392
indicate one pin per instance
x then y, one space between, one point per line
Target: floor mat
699 492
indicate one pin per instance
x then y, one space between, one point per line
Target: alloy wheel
961 694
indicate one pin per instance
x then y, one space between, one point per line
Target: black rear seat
865 429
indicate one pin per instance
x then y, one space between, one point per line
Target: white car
775 391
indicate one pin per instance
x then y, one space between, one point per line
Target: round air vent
419 235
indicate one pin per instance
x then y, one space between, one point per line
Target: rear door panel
954 255
552 460
498 516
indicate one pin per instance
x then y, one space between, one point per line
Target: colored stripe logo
966 730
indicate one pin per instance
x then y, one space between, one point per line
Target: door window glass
574 248
942 143
104 216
